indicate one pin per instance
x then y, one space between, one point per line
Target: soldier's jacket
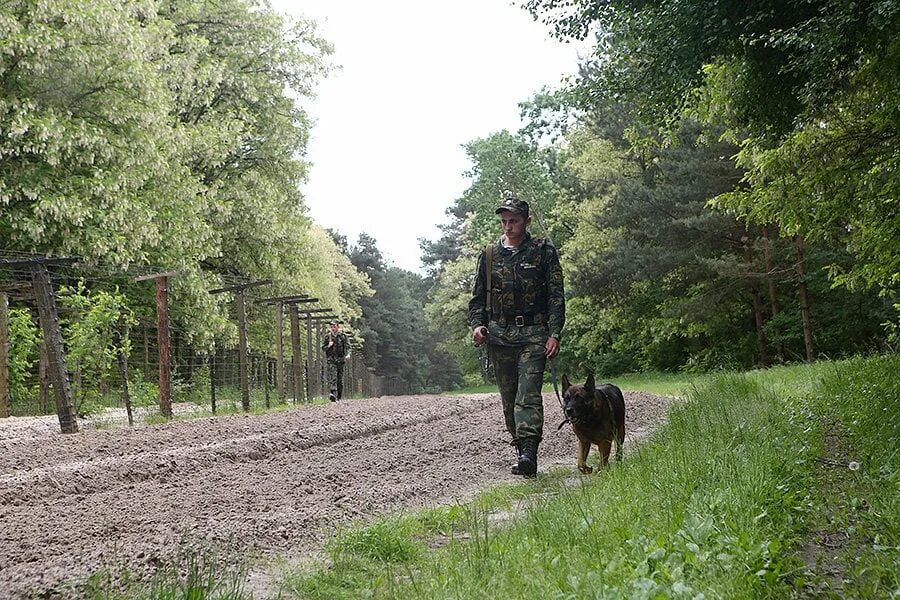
526 282
338 352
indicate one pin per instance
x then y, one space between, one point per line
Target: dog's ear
565 382
589 384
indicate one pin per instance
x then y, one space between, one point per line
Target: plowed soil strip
272 484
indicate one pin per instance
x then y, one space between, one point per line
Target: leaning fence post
4 355
55 352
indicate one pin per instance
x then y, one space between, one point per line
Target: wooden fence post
44 375
242 334
319 387
212 379
242 350
4 355
309 358
123 373
162 338
279 350
55 352
295 351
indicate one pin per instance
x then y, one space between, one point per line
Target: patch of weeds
194 573
443 520
385 542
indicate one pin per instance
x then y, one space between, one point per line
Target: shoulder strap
489 267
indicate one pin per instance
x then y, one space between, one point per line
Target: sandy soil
275 485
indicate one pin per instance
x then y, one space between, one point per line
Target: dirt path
276 485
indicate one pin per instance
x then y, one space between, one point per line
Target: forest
721 180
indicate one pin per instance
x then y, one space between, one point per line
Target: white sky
418 80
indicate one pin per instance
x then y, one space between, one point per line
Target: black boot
515 466
528 448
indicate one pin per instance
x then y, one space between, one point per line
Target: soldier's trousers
336 379
520 376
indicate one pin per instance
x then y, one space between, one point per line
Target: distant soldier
336 349
521 319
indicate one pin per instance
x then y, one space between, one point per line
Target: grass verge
717 504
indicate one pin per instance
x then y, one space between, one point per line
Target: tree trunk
770 281
758 316
804 300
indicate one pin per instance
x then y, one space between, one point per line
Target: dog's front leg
584 448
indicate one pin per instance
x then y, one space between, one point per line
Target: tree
805 87
166 133
397 341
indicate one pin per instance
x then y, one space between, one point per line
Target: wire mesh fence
105 360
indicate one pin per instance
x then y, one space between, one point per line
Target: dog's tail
618 410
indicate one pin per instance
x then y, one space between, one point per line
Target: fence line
216 377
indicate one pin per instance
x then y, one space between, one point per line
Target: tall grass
712 505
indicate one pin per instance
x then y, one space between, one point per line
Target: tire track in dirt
273 484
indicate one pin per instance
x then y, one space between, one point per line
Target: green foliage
24 349
167 133
718 502
835 178
806 87
447 308
398 343
92 333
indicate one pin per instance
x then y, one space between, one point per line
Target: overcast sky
417 81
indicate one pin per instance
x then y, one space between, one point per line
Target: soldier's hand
551 348
479 335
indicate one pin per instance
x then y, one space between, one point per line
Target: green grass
194 573
861 398
719 503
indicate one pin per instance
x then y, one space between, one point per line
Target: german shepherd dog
597 415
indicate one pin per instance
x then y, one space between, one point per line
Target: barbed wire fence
156 365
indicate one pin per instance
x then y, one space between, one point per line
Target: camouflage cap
513 205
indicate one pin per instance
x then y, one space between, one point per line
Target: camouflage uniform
527 306
335 356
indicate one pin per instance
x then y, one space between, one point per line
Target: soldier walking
518 309
336 347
